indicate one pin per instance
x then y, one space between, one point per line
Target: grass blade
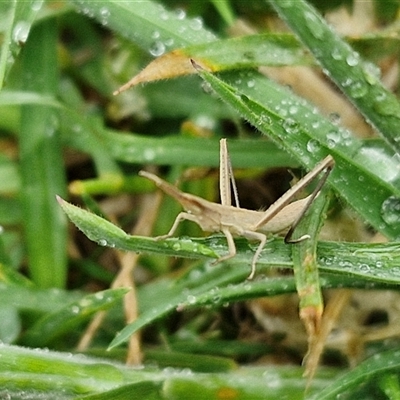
42 170
19 18
64 320
310 137
148 24
237 53
359 80
371 370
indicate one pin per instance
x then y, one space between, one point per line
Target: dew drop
20 32
372 73
335 118
358 89
314 25
337 54
102 242
390 210
290 125
169 42
207 88
196 24
313 146
347 82
149 155
157 49
352 59
104 15
37 5
164 15
333 138
177 246
386 105
99 295
315 124
180 13
364 268
155 35
75 310
85 303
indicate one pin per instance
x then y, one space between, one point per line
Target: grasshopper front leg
180 217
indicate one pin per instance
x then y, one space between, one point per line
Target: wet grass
285 96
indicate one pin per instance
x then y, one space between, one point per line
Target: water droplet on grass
313 146
191 299
358 89
352 59
21 31
390 210
335 118
337 54
314 25
196 24
290 125
37 5
157 48
180 13
177 246
75 310
104 15
149 155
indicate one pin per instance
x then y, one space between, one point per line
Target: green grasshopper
235 221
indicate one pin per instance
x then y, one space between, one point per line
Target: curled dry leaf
170 65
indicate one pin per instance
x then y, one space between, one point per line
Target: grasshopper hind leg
263 239
232 248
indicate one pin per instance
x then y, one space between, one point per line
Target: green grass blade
148 24
18 18
181 150
249 51
359 80
29 299
309 137
44 374
221 284
235 53
42 170
145 390
63 321
50 375
370 370
305 265
383 267
225 10
14 97
107 234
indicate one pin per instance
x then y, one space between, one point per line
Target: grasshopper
235 221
